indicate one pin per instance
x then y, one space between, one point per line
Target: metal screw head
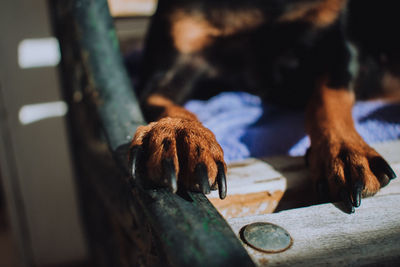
266 237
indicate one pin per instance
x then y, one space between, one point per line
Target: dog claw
382 171
389 171
134 155
221 181
358 187
201 175
345 197
170 174
383 179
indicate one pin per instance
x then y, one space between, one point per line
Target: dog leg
344 167
177 150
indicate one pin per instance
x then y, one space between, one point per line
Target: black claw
382 170
169 173
345 197
221 180
201 176
323 190
386 169
133 159
358 187
383 179
389 172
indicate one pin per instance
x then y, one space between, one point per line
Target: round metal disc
266 237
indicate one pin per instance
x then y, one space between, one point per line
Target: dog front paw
347 170
176 152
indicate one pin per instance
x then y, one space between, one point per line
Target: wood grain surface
325 235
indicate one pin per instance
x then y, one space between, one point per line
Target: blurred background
40 222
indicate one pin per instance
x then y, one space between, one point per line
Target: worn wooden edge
325 235
189 229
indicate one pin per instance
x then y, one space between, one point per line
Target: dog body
290 52
274 49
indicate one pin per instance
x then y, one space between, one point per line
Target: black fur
281 62
372 27
278 61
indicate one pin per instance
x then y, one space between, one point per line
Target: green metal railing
186 227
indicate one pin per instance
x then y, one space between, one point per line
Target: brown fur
169 108
179 136
192 32
337 147
318 14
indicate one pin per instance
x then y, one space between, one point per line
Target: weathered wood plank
254 187
260 186
324 235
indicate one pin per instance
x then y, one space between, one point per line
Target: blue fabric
245 127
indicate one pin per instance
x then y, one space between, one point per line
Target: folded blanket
245 127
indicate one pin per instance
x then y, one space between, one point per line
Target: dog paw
347 171
175 152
